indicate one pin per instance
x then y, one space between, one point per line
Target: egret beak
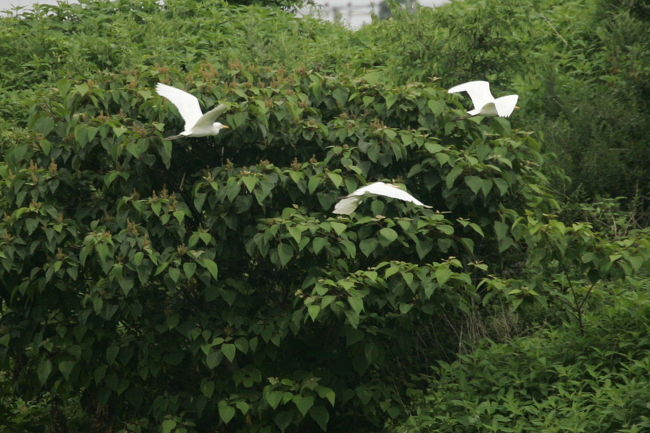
226 127
517 107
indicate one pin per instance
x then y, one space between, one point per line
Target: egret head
218 126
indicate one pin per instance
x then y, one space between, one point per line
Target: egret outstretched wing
187 104
478 91
348 204
506 105
208 118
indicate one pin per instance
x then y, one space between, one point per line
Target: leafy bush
180 287
554 381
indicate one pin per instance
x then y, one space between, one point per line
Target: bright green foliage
201 283
554 381
172 280
204 284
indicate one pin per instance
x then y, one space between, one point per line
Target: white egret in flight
197 124
349 203
484 102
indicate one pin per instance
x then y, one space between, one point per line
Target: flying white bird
484 102
197 124
349 203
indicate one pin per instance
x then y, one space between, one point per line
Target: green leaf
340 94
43 371
452 175
285 252
313 183
303 403
443 274
111 353
320 415
336 179
433 147
338 227
226 412
250 182
211 266
229 351
168 425
296 233
44 125
207 388
273 398
137 147
213 359
437 106
327 393
283 419
474 183
189 269
174 274
423 247
356 302
119 130
389 234
500 229
65 367
367 246
318 244
313 311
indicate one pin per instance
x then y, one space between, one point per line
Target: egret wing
188 105
208 118
346 205
506 105
392 191
478 91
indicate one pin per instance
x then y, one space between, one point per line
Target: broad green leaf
285 253
229 351
338 227
319 243
211 266
226 412
356 302
336 179
207 388
65 367
168 425
313 311
474 182
43 371
389 234
367 246
273 398
250 182
442 274
137 147
500 229
303 403
320 415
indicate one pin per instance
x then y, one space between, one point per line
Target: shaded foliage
557 380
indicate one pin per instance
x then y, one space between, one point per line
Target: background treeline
206 286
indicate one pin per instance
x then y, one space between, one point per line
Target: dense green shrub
553 381
204 285
206 282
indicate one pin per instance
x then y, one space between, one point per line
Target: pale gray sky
354 12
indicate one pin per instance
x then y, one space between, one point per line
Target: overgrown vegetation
581 68
204 285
